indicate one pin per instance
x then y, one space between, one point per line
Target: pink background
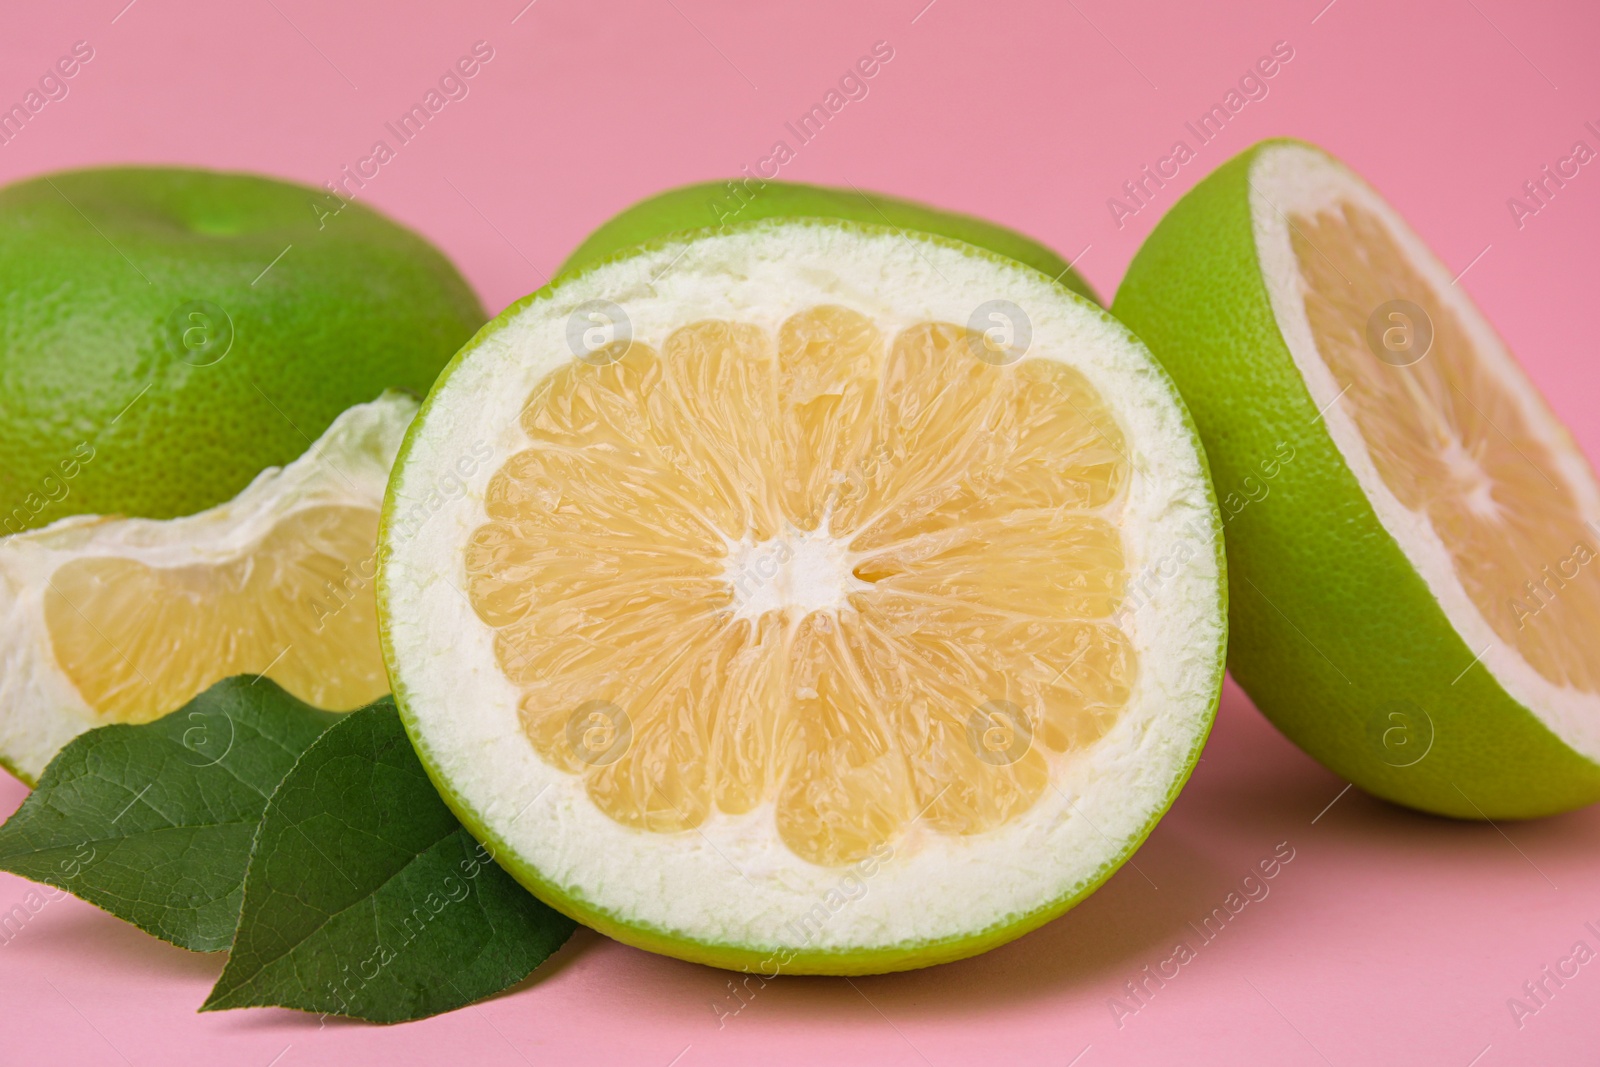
1391 937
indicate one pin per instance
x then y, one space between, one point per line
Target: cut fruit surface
1452 440
123 620
813 565
1442 651
698 532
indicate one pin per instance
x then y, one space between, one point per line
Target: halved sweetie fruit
1412 534
837 600
108 619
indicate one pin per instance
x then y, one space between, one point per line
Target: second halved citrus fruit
1411 532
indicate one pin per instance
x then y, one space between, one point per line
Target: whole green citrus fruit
167 333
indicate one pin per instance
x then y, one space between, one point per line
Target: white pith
732 881
40 709
1295 179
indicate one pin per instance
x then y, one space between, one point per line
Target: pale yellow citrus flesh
870 580
1452 445
297 605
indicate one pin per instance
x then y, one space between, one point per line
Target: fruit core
800 572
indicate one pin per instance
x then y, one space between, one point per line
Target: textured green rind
715 204
93 264
1331 625
651 938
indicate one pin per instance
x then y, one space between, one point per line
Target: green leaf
365 897
154 823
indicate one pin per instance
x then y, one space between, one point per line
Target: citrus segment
829 363
138 641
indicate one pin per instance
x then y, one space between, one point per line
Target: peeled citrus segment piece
138 641
1414 528
800 585
123 620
